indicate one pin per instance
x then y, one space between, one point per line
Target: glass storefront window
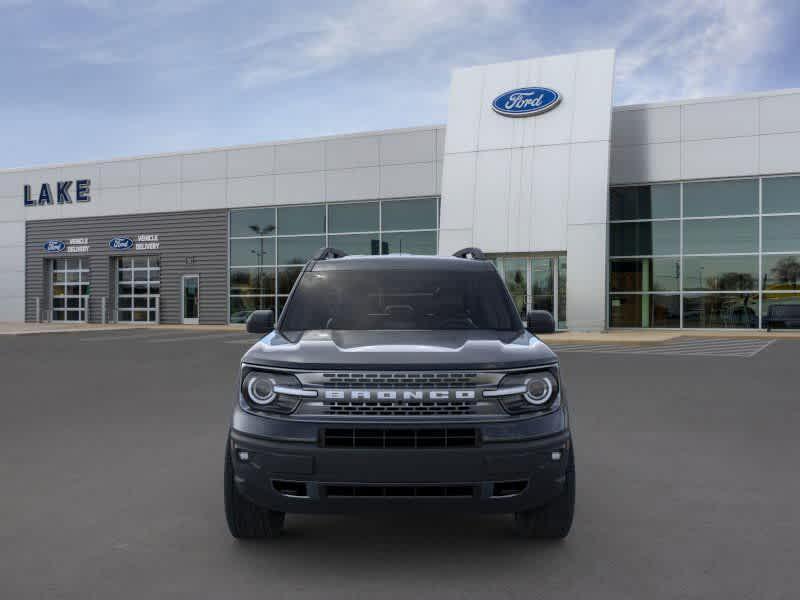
776 299
298 250
645 202
730 311
412 242
720 236
242 306
780 272
266 242
356 243
645 239
298 220
719 198
252 252
562 292
645 275
781 234
644 310
254 221
515 274
721 273
409 214
253 281
780 194
351 217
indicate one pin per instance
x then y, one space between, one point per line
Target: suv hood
402 350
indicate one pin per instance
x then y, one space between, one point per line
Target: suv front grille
400 380
356 437
409 408
399 491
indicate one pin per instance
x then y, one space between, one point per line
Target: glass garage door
70 289
138 289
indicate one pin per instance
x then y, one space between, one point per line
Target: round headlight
261 389
538 389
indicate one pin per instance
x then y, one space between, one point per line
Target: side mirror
261 321
540 321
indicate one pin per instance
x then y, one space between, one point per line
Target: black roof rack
470 253
327 253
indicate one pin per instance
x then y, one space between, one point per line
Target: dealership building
678 214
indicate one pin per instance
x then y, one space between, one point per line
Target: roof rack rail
470 253
328 253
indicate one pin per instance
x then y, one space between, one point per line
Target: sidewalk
7 328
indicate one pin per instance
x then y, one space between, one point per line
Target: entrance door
69 289
191 299
537 283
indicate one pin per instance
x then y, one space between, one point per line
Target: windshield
400 299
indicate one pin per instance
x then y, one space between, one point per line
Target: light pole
261 232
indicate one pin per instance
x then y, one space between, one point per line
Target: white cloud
691 48
366 29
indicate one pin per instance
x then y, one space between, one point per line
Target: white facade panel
458 178
120 201
463 116
299 188
39 213
588 174
779 113
779 153
205 165
250 162
160 169
408 147
646 126
121 173
301 156
547 224
452 240
650 162
586 276
519 206
711 120
199 195
12 308
12 234
12 209
351 184
11 183
159 198
497 131
731 157
594 90
398 181
351 152
12 260
555 126
491 200
251 191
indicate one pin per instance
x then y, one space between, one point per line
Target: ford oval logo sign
526 102
120 243
54 246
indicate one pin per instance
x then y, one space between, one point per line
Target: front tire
553 520
245 519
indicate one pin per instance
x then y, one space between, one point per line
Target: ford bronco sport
399 382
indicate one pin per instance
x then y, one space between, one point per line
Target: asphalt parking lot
111 478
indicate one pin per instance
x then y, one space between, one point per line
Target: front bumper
517 466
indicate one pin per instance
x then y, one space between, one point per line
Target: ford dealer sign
54 246
526 102
120 243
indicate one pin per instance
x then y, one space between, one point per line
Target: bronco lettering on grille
401 395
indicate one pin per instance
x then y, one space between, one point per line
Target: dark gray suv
399 382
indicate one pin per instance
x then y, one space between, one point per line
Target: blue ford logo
54 246
120 243
525 102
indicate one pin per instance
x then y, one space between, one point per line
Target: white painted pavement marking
192 337
745 348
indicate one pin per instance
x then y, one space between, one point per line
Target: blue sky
96 79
